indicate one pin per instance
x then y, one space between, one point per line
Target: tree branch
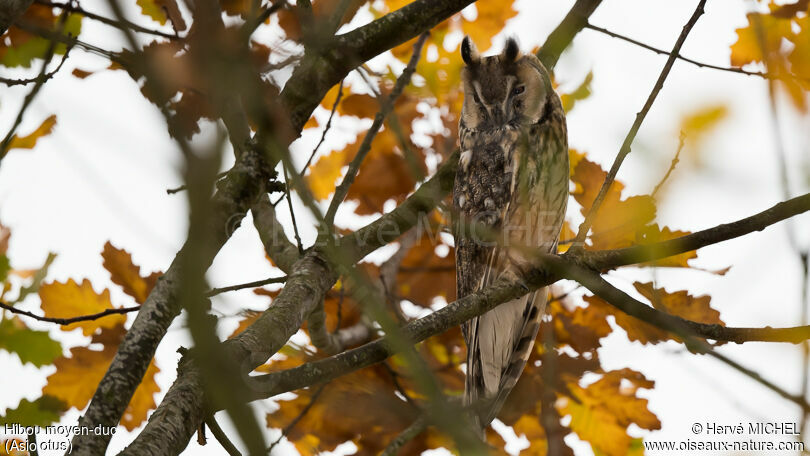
764 75
480 302
610 259
365 146
561 37
67 321
631 135
10 11
235 195
276 244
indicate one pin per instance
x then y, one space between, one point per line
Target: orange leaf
119 263
69 299
363 400
760 40
492 16
143 400
424 275
29 141
77 377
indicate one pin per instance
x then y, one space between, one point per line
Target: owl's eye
475 97
518 90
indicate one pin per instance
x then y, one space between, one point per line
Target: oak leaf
126 274
602 411
30 140
77 377
70 299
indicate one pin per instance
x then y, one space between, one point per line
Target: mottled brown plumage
512 181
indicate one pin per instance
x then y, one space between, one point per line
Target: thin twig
41 78
365 146
325 129
105 20
67 321
631 135
408 434
241 286
249 27
672 165
221 437
760 74
172 191
292 212
299 417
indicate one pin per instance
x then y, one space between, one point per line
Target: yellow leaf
582 92
604 409
492 16
29 141
77 377
69 299
760 40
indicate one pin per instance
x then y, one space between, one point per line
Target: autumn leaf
761 40
492 16
580 93
70 299
161 10
124 273
424 275
40 412
618 220
699 124
30 140
35 347
78 375
20 47
602 411
678 303
362 400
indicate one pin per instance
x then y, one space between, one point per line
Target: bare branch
561 37
221 437
104 20
325 129
672 165
67 321
764 75
283 252
241 286
365 146
631 135
41 78
609 259
410 433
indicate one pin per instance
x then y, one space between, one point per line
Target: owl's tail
487 402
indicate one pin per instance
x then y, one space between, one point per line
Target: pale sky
103 173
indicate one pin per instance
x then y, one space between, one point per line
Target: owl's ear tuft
469 53
511 50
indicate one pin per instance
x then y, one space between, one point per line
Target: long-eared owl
512 180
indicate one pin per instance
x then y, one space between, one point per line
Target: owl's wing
500 341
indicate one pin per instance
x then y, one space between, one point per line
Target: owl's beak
496 114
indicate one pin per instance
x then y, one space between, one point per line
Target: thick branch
235 195
10 11
276 244
561 37
317 72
